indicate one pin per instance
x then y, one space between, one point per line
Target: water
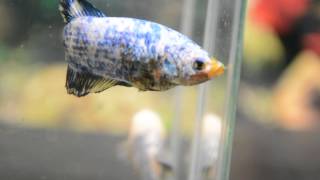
208 44
186 28
214 11
33 100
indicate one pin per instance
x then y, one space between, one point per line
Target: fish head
198 67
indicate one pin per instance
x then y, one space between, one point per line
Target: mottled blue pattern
145 54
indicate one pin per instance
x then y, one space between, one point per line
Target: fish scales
122 47
106 51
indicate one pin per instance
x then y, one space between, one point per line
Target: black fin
70 9
81 84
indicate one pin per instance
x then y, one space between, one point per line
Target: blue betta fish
103 52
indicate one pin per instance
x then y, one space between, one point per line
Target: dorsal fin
70 9
83 83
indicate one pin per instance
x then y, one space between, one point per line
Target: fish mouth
214 68
197 79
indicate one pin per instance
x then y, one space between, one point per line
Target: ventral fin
71 9
82 83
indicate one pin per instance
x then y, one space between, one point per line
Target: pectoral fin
83 83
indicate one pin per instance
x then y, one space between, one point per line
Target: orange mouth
214 68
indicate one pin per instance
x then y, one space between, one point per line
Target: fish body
106 51
138 52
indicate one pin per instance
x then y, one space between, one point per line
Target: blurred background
47 134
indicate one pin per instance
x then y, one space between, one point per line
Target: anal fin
82 83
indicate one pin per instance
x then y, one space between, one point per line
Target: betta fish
103 52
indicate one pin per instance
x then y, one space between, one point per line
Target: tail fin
70 9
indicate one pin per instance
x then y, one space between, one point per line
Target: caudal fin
71 9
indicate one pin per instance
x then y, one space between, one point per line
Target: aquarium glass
47 134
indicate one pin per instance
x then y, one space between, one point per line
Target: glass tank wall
121 133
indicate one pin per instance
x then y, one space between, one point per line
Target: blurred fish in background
145 144
211 134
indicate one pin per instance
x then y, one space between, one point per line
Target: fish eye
198 65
